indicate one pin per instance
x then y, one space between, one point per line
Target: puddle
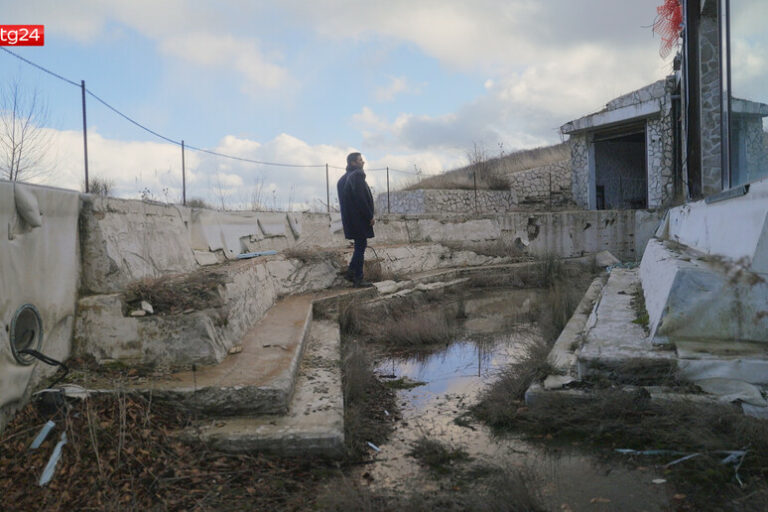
494 336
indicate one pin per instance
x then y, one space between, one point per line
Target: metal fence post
327 190
85 136
388 208
183 177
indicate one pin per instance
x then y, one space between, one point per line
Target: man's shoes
359 283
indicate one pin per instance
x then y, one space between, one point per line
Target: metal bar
183 177
85 135
327 190
388 208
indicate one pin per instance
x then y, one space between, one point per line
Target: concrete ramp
260 378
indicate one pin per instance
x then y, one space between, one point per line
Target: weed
175 294
630 419
499 402
365 401
436 455
641 313
309 254
403 383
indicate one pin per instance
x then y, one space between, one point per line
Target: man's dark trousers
356 263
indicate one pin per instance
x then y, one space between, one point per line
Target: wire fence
259 193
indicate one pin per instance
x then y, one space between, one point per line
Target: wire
176 142
41 68
113 109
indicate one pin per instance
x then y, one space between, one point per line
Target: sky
413 85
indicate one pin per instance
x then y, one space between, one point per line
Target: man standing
356 203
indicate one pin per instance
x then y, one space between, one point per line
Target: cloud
396 86
227 52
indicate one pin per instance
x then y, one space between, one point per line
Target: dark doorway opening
621 181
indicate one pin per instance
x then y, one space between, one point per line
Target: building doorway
621 181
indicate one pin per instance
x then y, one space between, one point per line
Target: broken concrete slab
314 423
691 296
732 390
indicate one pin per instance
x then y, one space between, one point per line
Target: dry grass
491 173
121 455
496 490
310 254
436 455
405 325
176 294
630 419
365 401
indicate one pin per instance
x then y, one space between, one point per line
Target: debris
249 255
374 446
659 481
681 459
55 456
386 412
42 435
146 306
138 312
236 349
268 345
599 500
629 451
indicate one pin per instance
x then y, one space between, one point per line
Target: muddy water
494 335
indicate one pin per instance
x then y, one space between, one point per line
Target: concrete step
617 347
259 379
314 422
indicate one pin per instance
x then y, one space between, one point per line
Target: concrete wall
736 228
39 265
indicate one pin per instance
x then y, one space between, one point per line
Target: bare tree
24 141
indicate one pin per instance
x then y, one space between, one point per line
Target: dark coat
356 203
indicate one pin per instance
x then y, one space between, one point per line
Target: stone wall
709 68
580 169
447 201
659 134
541 188
547 187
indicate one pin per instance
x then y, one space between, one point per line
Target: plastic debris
386 412
146 306
248 255
681 459
374 446
55 456
42 435
659 481
629 451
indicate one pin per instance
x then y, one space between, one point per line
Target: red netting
668 24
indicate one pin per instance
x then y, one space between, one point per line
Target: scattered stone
146 306
236 349
138 312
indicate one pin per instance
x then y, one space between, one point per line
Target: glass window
745 86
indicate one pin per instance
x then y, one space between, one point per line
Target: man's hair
352 157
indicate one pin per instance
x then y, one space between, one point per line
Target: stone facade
580 166
447 201
709 69
546 187
541 188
